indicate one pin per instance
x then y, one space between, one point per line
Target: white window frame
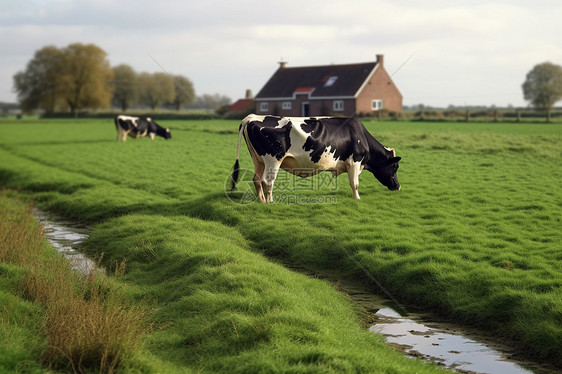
338 106
377 105
287 105
264 107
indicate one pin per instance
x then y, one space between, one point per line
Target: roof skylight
330 82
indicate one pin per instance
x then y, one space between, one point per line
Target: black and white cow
137 127
307 146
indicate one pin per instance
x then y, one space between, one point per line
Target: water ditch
65 236
442 345
420 335
417 335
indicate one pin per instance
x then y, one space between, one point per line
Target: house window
330 82
338 105
377 105
264 107
287 105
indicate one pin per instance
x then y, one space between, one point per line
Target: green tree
155 89
543 86
37 86
184 92
85 79
125 90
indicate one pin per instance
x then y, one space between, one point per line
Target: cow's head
165 133
384 169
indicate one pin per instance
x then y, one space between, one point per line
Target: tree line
79 77
542 88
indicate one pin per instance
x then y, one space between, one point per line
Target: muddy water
454 347
440 342
65 236
442 345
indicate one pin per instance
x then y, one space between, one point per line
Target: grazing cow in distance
306 146
137 127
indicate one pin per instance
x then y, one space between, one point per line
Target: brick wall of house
316 107
380 87
326 107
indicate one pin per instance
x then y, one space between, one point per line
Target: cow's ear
394 160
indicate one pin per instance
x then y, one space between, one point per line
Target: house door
305 109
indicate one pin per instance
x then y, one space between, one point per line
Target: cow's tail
236 171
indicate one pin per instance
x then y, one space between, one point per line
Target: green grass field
474 235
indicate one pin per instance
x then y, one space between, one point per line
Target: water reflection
452 350
65 237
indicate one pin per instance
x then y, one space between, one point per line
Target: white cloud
474 52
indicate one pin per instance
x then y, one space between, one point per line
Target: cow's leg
258 174
272 166
267 183
353 172
152 135
259 168
121 134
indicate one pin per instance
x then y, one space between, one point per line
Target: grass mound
220 307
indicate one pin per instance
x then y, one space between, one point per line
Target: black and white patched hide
137 127
306 146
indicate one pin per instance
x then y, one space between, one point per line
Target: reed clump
87 324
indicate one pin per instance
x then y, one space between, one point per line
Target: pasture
474 236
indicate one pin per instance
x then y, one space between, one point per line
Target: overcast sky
439 52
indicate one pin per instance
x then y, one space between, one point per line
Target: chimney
282 64
380 59
249 94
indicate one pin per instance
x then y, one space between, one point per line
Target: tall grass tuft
90 332
87 324
18 233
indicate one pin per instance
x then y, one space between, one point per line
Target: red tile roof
240 105
304 89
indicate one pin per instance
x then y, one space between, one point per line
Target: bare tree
212 102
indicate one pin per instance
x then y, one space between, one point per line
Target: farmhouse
341 90
242 106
